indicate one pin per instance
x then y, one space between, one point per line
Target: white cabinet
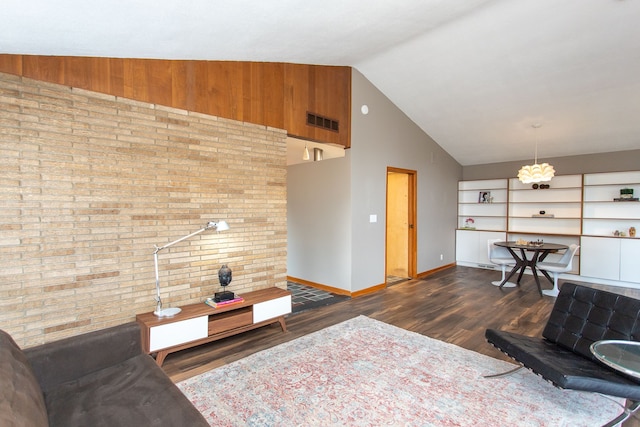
172 334
271 309
629 256
472 248
610 258
600 258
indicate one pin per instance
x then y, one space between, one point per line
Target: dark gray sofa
101 378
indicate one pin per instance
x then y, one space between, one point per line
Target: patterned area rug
363 372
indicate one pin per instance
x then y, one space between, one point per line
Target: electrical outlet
441 257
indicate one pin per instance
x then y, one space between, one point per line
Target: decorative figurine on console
224 274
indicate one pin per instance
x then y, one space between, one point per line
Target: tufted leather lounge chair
580 317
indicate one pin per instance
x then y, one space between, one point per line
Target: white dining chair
500 256
555 268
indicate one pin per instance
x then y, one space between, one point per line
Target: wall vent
322 122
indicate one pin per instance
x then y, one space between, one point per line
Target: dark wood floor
455 305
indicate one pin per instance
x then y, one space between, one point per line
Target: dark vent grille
322 122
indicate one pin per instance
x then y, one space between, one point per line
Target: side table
623 356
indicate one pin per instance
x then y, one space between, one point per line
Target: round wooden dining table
539 252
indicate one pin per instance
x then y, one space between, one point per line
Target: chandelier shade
536 172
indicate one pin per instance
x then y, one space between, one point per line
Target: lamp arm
158 249
209 225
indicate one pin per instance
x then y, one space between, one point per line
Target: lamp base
167 312
223 296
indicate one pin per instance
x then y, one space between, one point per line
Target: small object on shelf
542 212
541 186
485 197
626 193
632 232
216 304
468 224
619 233
224 274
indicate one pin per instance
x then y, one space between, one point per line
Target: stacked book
212 303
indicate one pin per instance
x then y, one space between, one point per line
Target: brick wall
91 182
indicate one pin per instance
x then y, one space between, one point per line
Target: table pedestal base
539 253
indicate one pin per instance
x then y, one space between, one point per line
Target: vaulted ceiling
476 75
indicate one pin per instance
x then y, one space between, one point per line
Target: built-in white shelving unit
610 252
485 202
603 215
574 209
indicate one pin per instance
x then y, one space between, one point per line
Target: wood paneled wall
265 93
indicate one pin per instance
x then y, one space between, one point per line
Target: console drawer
230 320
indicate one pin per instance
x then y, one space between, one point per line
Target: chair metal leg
627 413
503 374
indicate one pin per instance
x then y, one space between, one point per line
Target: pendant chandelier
536 172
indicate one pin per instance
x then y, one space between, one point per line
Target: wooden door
400 226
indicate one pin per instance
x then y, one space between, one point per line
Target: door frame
412 192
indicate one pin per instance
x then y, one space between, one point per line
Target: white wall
350 255
387 137
318 225
618 161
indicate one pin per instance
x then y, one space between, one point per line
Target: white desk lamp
168 312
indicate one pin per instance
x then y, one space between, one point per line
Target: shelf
612 178
540 217
533 233
482 184
483 204
613 202
612 237
611 218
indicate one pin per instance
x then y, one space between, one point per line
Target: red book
212 303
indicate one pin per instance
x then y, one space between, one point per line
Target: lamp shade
222 226
536 173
